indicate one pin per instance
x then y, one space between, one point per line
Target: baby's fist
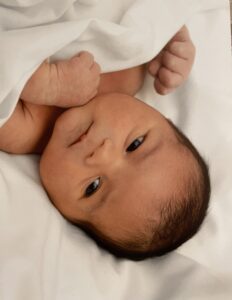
77 80
174 63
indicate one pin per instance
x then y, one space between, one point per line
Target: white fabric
120 33
41 255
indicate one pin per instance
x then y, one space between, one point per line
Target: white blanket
121 34
41 255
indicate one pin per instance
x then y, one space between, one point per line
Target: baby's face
112 163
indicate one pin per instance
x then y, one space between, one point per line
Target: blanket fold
120 34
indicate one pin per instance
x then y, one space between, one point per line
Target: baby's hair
180 218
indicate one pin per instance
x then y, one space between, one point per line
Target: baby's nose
102 154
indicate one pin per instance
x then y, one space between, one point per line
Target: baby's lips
82 135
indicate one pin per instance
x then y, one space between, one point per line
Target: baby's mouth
82 136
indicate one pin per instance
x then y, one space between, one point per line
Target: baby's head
126 175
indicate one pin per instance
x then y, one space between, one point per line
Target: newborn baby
127 176
115 166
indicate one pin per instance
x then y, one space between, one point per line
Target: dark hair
181 217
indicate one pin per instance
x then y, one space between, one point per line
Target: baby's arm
28 129
128 81
30 126
64 83
174 63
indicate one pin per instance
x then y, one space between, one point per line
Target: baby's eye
135 144
91 189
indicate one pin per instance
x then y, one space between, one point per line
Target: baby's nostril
103 142
91 154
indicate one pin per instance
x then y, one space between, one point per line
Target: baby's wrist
53 87
58 83
39 88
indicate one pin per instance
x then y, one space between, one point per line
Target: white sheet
44 257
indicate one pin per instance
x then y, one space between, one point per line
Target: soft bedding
42 256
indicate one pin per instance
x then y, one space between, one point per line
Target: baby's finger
93 94
87 58
96 69
182 35
176 64
154 65
87 98
169 79
95 74
185 50
160 88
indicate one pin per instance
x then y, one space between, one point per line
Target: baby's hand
174 63
65 83
77 80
